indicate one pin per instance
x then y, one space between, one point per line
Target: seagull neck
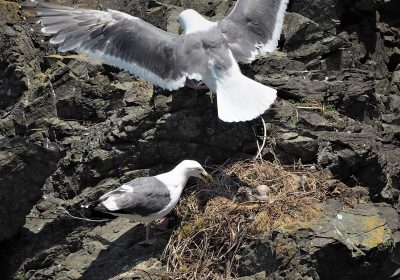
175 177
198 24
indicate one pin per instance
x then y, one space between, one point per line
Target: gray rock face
23 168
72 130
344 244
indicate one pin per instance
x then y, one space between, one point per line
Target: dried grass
214 226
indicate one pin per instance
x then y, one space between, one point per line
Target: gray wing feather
253 27
162 58
147 196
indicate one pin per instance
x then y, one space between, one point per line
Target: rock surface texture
71 130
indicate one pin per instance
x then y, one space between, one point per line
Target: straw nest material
245 200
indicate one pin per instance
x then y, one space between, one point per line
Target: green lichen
21 276
328 109
304 101
377 233
188 230
293 120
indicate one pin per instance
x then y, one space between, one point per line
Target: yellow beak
180 30
206 178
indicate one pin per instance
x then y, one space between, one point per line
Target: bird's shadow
122 254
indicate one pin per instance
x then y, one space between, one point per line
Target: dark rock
322 12
16 48
358 158
315 121
294 147
23 169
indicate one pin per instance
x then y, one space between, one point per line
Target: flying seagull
208 51
147 199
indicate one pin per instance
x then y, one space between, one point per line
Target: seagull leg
193 85
147 241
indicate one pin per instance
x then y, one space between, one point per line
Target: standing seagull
147 199
208 51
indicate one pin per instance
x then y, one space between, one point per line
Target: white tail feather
242 99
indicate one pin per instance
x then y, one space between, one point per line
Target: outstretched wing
253 27
160 57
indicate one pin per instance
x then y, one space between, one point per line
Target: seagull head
191 21
192 168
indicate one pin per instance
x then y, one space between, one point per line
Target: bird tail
92 211
89 206
240 98
94 206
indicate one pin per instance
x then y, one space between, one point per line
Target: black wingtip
89 206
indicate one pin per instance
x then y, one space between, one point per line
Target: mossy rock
9 12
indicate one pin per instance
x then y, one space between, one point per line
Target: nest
245 200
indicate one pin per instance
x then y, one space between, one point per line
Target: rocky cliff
71 130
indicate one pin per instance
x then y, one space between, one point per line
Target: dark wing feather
253 27
125 41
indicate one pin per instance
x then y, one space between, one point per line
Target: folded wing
142 196
253 27
127 42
